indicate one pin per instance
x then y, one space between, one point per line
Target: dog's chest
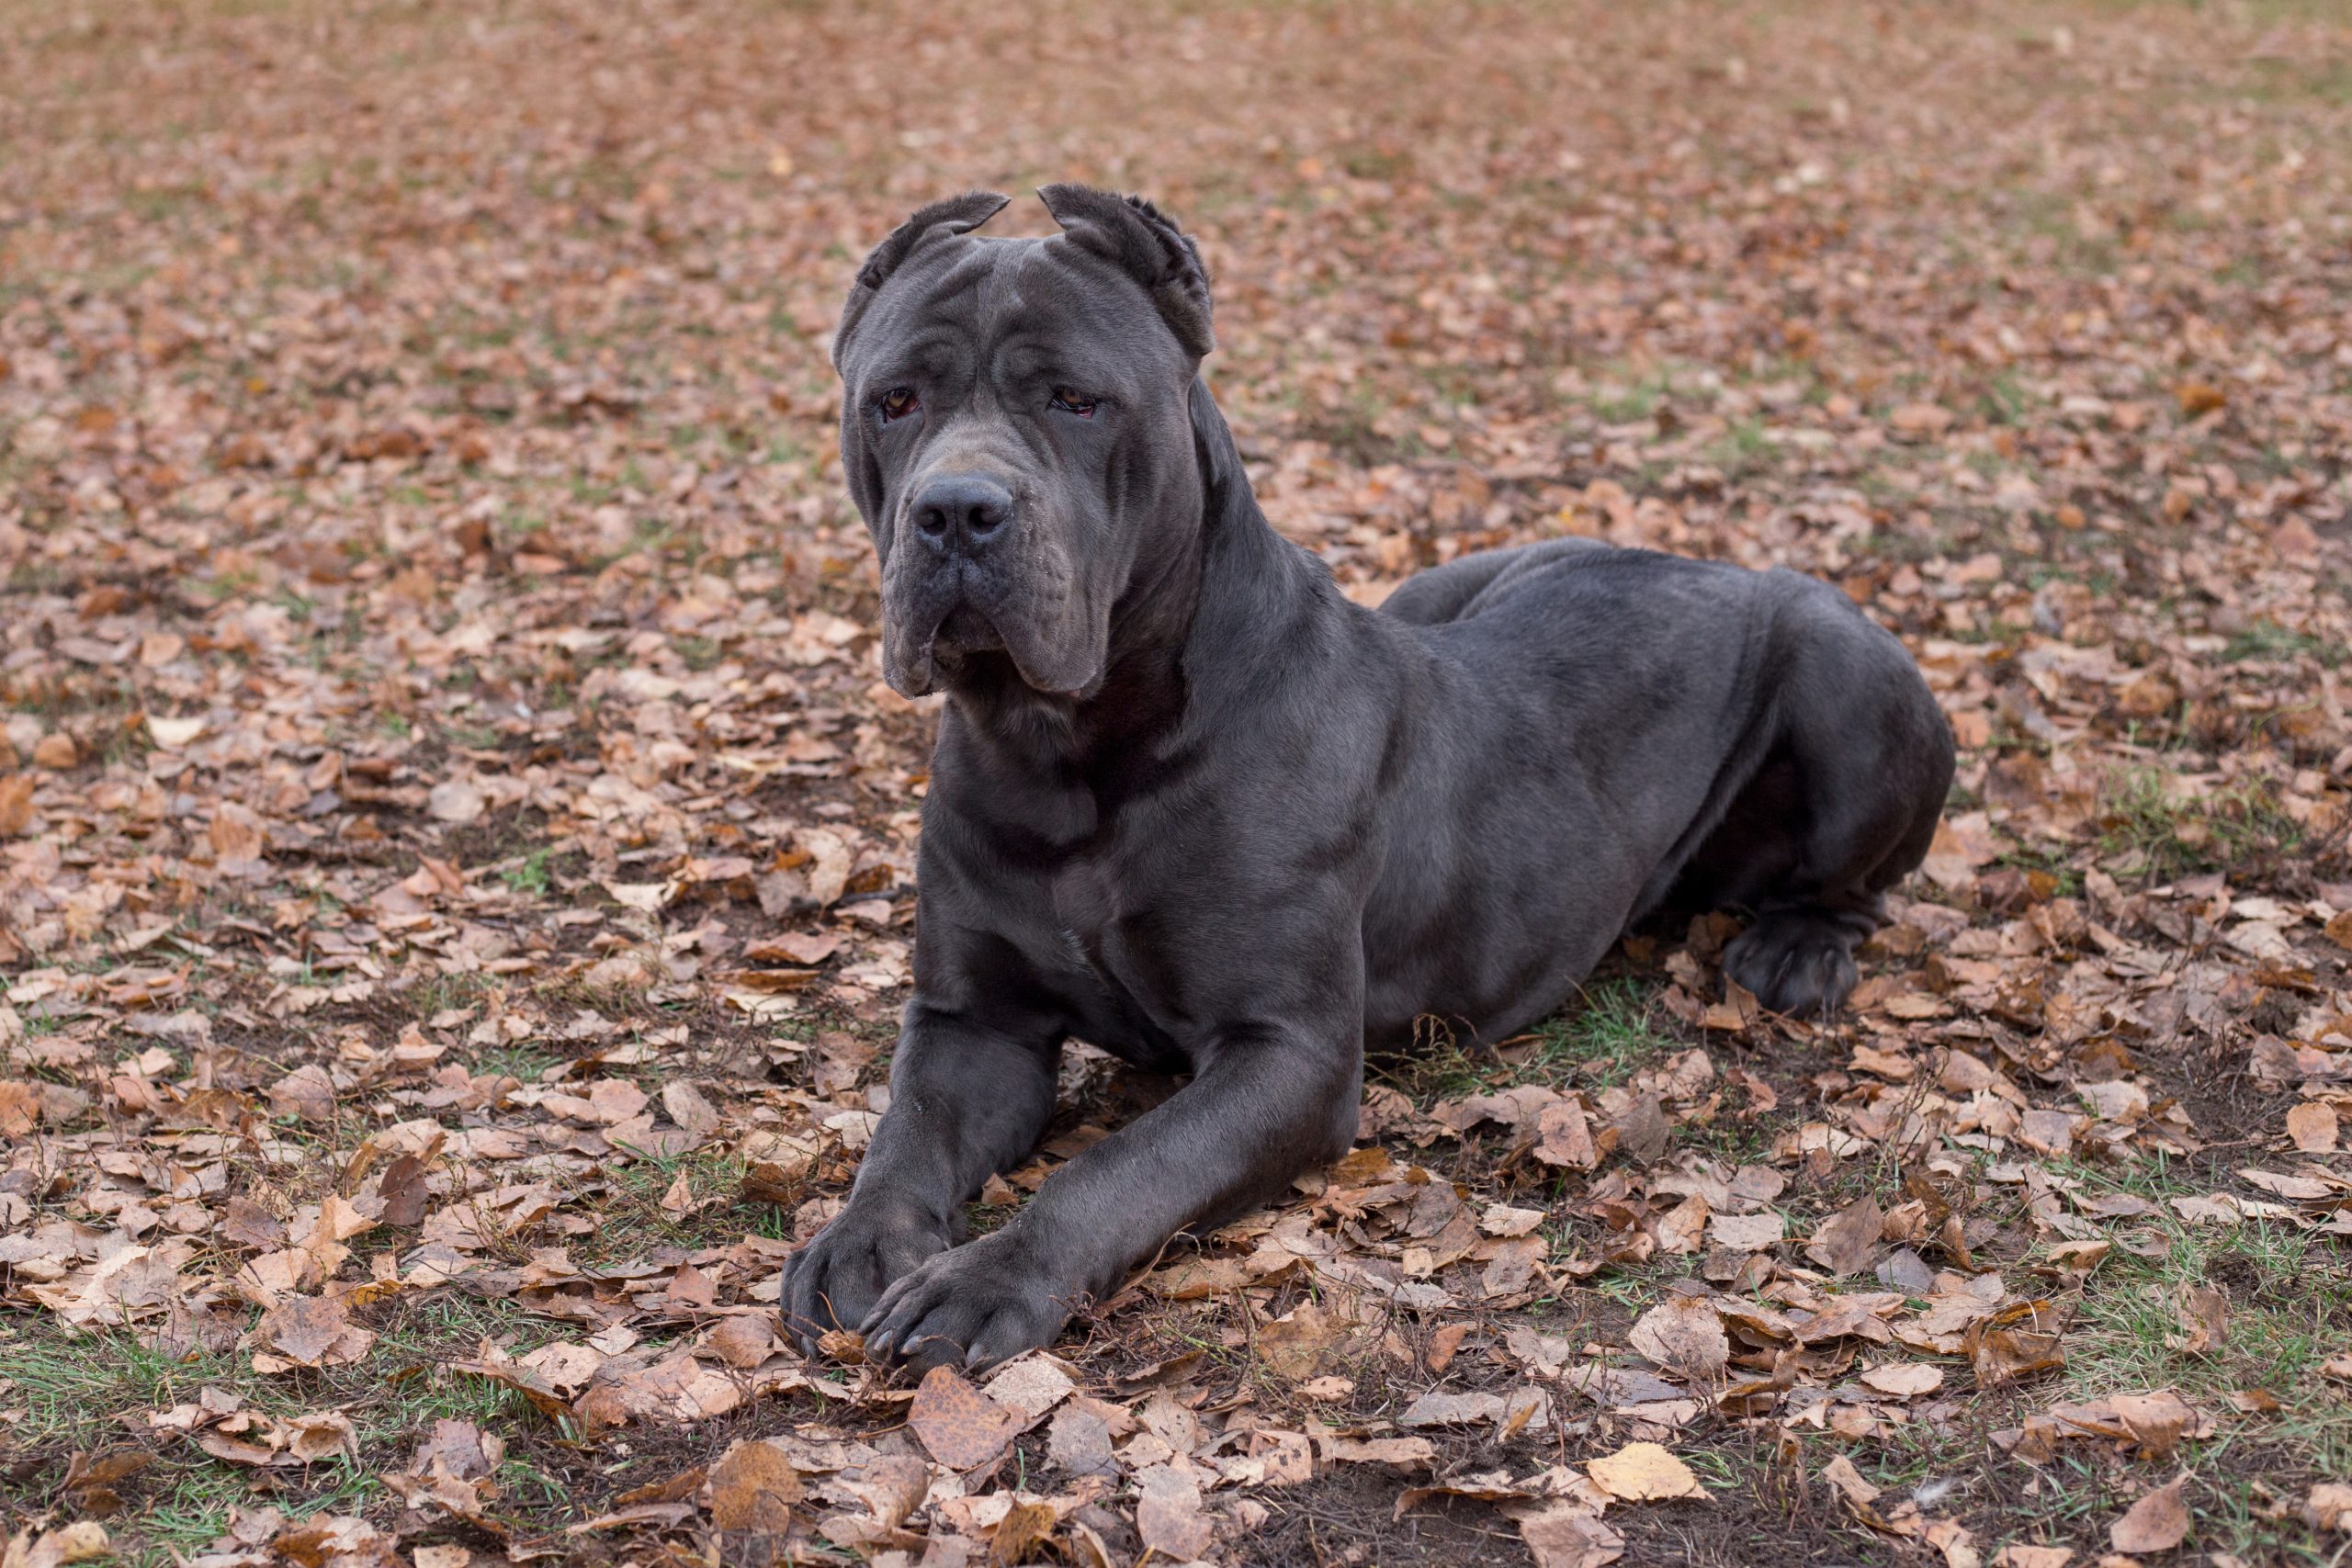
1128 1005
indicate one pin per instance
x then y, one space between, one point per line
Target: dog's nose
960 511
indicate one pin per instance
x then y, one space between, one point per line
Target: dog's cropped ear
956 215
1134 233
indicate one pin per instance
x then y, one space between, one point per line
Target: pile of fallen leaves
457 853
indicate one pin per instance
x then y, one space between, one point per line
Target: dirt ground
456 849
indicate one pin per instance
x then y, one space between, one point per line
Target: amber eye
899 403
1069 400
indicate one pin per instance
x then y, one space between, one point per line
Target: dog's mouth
939 654
926 651
965 630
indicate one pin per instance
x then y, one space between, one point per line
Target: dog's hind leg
1842 807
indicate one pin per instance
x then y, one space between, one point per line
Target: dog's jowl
1194 806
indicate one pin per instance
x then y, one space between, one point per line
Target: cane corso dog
1193 805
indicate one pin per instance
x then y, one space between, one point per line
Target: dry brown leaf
1644 1472
2311 1125
2157 1522
1017 1536
742 1342
1848 1242
1567 1535
2016 1556
2204 1321
1169 1514
2329 1506
1030 1386
753 1487
1440 1409
1682 1334
1850 1483
78 1542
16 804
2016 1342
309 1330
1904 1380
959 1426
1564 1136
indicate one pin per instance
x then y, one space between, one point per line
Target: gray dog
1193 805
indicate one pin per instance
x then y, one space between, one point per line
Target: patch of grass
72 1386
633 1220
407 1384
2005 400
530 877
1603 1037
2267 639
2289 1308
447 993
1637 399
2148 829
1741 449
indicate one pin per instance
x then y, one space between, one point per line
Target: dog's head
1016 430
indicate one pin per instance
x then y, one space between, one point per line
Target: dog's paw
834 1281
1795 962
984 1302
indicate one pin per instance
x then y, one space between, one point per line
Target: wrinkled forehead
1009 299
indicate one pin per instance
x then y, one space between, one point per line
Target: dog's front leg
1267 1105
967 1102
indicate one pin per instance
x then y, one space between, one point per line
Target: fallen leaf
1030 1386
1169 1514
1565 1535
16 804
959 1426
1904 1380
1850 1483
2157 1522
753 1487
2204 1321
2329 1506
742 1342
1684 1335
2014 1556
1564 1136
1644 1472
1847 1243
2016 1342
2311 1125
456 801
77 1543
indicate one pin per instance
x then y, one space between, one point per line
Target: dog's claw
1795 962
834 1281
978 1304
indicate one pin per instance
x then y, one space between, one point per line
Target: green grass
1604 1037
2289 1308
2149 830
632 1221
1601 1038
72 1387
75 1388
1742 449
2267 639
530 877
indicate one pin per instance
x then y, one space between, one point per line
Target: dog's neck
1223 591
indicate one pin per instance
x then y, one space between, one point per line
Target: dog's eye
899 403
1069 400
